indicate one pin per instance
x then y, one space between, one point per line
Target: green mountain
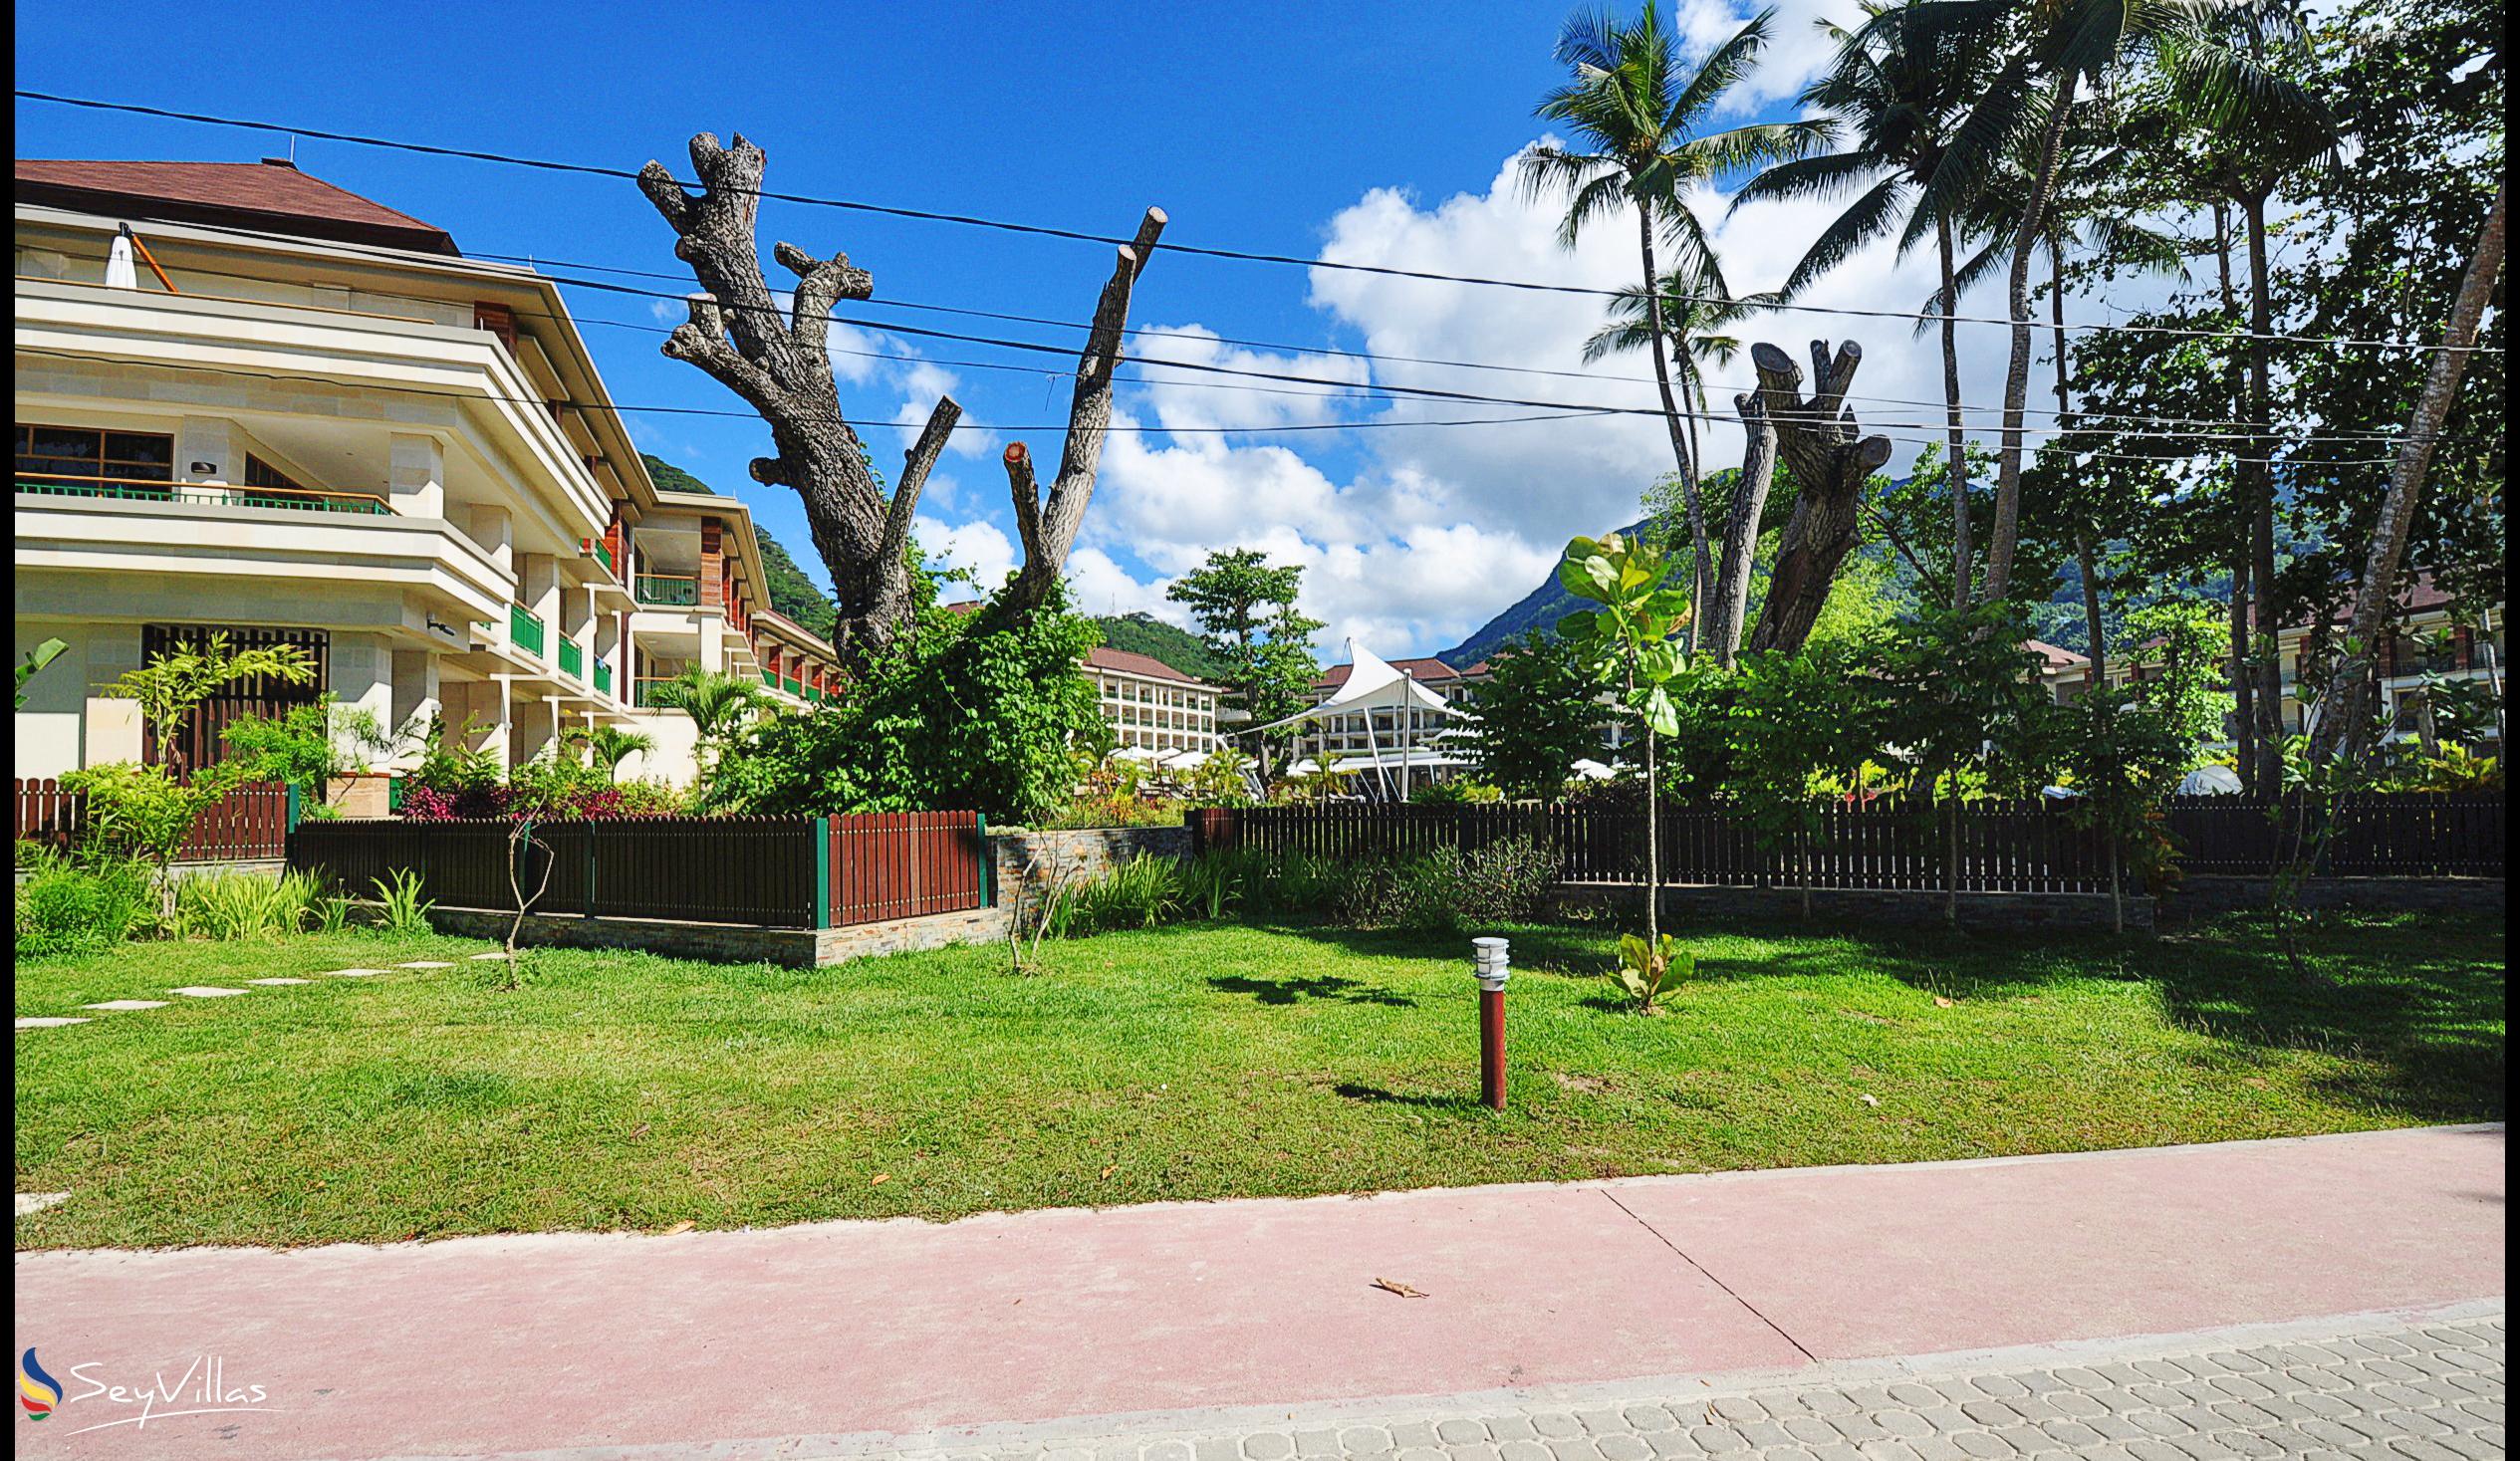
1143 633
791 592
1540 609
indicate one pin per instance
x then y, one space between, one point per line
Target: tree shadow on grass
1318 986
1378 1096
2410 1005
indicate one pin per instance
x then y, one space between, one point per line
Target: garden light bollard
1488 965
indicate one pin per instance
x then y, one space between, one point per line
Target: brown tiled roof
271 196
1426 672
1103 656
2055 656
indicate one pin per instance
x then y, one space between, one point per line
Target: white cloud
982 548
1797 49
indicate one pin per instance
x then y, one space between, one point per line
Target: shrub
240 905
64 909
1446 889
1459 791
1139 893
399 900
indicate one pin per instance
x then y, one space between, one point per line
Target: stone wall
2205 896
1080 855
1984 912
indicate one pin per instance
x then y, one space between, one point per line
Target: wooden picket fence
249 823
2002 846
763 872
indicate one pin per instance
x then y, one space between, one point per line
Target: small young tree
2127 748
309 746
1793 719
609 746
1628 642
718 704
1538 716
148 811
1245 608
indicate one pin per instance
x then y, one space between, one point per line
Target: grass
621 1091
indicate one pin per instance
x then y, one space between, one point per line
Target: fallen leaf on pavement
681 1227
1404 1290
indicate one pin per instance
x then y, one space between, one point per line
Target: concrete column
417 477
415 699
494 530
207 452
361 677
537 588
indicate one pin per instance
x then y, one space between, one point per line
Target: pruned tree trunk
779 363
1830 460
2344 714
1730 606
2243 678
1999 548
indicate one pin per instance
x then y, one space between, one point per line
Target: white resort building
248 401
1151 706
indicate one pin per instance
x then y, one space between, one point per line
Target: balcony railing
644 691
670 590
602 677
525 630
796 688
573 660
49 484
601 553
770 679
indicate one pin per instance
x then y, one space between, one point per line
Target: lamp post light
1489 966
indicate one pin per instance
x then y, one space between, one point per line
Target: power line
1561 413
1292 348
1243 255
1364 390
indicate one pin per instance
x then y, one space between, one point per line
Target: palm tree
611 745
2053 48
1637 109
1691 309
718 704
1899 87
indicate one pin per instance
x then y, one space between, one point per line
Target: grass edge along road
628 1092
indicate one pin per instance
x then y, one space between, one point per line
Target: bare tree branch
1722 631
1088 421
916 466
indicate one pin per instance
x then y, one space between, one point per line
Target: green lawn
629 1091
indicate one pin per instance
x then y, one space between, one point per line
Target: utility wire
1561 413
1244 255
1385 392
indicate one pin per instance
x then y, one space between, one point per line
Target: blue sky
1319 130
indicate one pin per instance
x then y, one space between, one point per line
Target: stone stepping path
38 1201
498 954
206 991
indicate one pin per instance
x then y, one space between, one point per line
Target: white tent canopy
1375 683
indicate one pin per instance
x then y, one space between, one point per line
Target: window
269 481
73 456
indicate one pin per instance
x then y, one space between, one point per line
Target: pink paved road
499 1345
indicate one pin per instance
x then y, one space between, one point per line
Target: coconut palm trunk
1957 434
2266 660
2243 677
1999 549
1673 421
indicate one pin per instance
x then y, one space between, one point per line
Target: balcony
47 484
669 590
602 678
643 693
597 550
573 660
525 630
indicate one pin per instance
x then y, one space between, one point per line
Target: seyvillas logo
37 1391
202 1389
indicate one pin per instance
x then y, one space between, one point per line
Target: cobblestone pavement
2385 1389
